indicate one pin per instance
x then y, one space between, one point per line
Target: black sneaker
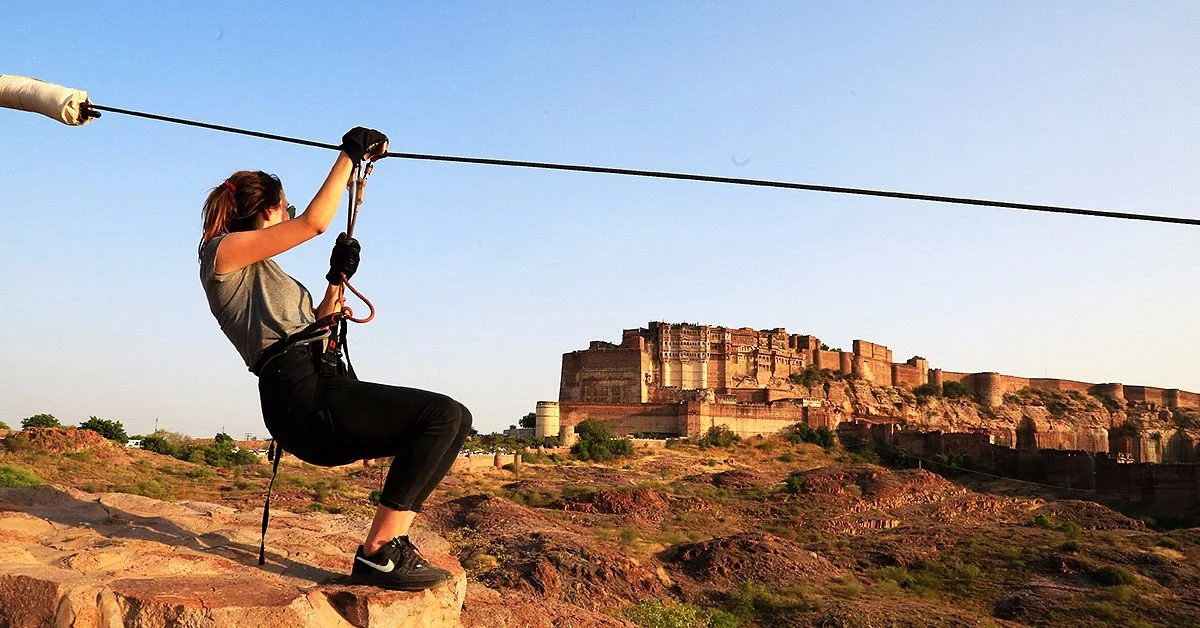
397 566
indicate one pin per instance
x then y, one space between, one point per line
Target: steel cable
659 174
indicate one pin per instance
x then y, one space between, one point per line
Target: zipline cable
72 106
680 176
803 186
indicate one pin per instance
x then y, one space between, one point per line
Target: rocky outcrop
542 557
69 558
724 563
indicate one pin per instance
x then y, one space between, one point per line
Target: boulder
69 558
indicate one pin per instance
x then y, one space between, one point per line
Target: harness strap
276 452
310 334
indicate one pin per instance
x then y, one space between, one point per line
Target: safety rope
91 109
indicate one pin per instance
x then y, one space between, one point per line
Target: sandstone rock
72 559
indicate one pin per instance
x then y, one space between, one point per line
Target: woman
321 415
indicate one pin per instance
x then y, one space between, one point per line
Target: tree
529 420
112 430
802 433
40 420
719 436
160 443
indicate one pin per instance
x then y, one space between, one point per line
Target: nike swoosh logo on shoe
386 568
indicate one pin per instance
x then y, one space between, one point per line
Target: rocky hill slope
762 533
1033 418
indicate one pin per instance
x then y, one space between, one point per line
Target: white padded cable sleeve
54 101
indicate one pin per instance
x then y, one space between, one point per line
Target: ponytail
232 205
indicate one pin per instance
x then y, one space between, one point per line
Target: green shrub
4 426
160 444
787 458
16 477
802 433
752 602
846 587
220 452
656 614
150 488
924 391
1069 546
796 483
1112 575
596 443
811 375
1071 529
1044 521
375 496
719 436
40 420
1170 543
112 430
955 390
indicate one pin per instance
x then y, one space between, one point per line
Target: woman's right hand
362 143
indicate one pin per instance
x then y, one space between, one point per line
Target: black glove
360 142
344 259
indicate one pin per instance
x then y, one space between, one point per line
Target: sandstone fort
680 379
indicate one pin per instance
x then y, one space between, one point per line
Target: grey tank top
256 305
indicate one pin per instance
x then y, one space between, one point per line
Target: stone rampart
1162 490
1059 385
627 418
908 375
612 375
749 420
872 351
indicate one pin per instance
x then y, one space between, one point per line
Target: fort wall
627 418
749 420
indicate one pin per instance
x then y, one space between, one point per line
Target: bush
655 614
955 390
1170 543
811 375
796 483
40 420
221 452
16 477
1043 521
160 444
1111 576
4 426
927 390
802 433
596 443
719 436
112 430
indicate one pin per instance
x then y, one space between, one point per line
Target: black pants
331 420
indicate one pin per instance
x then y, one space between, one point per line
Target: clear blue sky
485 276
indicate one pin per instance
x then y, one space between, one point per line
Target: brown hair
232 205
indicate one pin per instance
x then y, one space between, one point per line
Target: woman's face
280 212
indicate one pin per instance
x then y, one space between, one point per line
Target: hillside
762 533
